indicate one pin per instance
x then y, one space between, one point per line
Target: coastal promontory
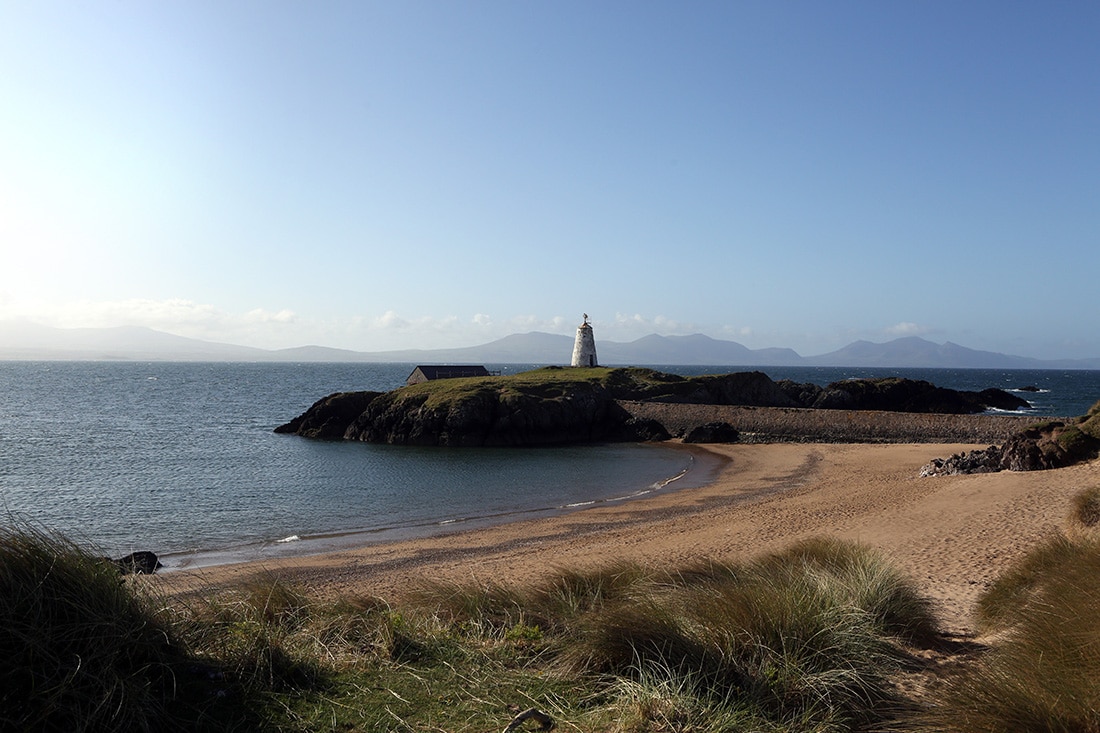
556 405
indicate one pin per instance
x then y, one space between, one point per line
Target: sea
181 458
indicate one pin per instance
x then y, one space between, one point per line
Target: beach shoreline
952 534
704 468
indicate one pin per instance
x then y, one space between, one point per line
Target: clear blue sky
377 175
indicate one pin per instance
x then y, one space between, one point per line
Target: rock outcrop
329 417
556 405
489 417
895 394
1051 444
142 562
713 432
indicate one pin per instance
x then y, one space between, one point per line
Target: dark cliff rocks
553 409
329 417
749 389
556 405
737 388
896 394
1051 444
490 418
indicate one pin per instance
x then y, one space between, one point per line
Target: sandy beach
952 534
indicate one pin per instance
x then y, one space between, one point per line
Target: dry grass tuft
1086 507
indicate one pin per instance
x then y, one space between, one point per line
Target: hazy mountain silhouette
913 351
20 340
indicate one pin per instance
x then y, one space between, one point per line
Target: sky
389 175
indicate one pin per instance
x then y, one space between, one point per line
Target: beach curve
952 534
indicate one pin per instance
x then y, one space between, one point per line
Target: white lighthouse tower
584 348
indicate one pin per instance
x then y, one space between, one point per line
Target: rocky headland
1039 446
557 405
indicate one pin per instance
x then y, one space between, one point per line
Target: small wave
291 538
666 482
628 497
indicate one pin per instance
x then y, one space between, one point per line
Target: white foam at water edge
291 538
666 482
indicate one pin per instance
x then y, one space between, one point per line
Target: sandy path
952 534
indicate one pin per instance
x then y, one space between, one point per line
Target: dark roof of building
452 371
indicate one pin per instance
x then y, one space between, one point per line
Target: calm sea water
180 458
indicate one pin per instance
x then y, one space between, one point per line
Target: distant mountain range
23 341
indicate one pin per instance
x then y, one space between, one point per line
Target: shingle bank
792 424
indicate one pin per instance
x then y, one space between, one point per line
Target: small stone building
428 373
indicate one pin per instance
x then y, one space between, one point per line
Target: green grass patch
802 640
544 383
1090 422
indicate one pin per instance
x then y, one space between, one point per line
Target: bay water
180 458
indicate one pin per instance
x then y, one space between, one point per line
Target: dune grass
81 651
804 639
1042 670
807 639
